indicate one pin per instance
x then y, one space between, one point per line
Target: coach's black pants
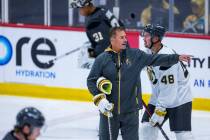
128 124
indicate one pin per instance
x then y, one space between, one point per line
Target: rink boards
25 51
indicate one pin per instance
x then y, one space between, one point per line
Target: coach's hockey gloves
158 116
103 104
104 85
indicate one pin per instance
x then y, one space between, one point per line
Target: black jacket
123 70
10 136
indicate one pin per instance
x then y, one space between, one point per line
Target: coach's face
119 41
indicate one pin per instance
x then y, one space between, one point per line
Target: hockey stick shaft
64 55
109 125
158 125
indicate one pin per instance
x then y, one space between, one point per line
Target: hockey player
121 66
29 122
171 96
98 23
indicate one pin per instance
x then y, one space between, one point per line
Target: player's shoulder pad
101 11
95 19
166 50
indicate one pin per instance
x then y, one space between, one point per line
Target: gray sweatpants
128 124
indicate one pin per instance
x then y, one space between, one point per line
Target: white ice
71 120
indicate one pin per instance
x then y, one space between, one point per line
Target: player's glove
104 85
158 116
103 104
91 53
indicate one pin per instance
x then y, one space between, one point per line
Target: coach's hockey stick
158 125
109 124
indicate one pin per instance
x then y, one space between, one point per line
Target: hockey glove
104 85
91 53
158 116
104 106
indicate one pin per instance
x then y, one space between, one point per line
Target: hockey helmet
30 116
154 30
79 3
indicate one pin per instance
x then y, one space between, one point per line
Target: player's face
35 133
84 11
147 39
119 41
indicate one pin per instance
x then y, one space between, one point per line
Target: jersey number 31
97 36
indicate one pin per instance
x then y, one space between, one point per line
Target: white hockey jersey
170 85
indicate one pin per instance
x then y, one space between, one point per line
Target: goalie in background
97 24
171 94
29 122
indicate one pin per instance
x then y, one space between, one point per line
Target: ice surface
71 120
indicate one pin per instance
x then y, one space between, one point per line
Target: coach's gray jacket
123 70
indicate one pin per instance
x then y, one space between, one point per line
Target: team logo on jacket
128 62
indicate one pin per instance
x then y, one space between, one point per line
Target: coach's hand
103 104
185 58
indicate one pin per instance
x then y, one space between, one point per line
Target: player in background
29 122
171 95
97 23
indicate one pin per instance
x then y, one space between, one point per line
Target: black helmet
154 30
79 3
30 116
